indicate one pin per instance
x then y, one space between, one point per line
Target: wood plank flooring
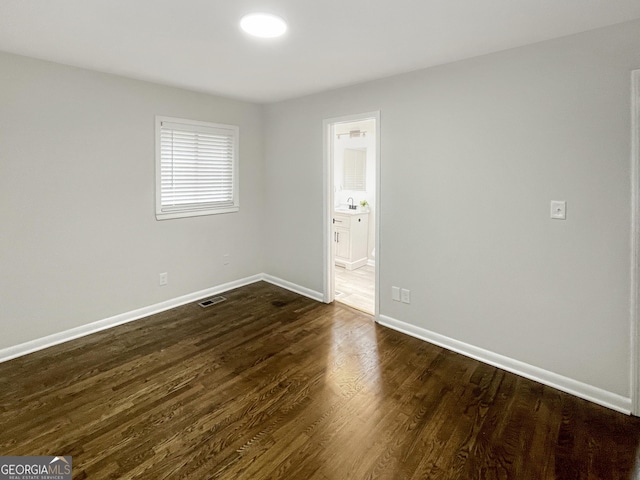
272 385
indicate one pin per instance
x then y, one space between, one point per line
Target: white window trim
165 215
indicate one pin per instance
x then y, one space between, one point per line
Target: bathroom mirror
355 169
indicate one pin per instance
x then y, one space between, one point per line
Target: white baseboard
371 262
97 326
304 291
574 387
351 265
31 346
566 384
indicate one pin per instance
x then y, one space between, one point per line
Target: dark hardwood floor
273 385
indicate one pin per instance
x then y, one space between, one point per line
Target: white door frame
635 242
327 147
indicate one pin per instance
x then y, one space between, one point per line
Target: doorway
635 242
352 201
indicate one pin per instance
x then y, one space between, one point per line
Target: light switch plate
558 210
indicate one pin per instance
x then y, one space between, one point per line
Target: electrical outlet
164 278
395 294
405 295
558 210
226 258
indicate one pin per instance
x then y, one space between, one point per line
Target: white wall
79 241
472 153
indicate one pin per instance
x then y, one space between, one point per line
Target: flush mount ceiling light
263 25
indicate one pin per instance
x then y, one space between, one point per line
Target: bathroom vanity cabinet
351 233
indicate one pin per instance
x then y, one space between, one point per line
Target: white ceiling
197 44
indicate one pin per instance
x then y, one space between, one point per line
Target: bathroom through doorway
352 210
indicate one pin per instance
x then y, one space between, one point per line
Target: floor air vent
207 302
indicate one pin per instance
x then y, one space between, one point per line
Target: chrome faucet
352 205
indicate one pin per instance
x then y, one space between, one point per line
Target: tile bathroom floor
356 288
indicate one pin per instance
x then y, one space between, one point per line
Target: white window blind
196 168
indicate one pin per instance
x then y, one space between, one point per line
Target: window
196 168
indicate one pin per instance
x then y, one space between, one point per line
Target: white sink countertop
348 211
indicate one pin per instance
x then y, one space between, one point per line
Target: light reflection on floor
353 363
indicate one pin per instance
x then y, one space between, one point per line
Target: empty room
319 240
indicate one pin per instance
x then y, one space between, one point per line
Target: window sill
195 213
